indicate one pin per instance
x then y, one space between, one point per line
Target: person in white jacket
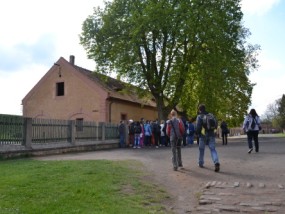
251 126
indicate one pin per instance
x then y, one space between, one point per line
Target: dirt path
247 183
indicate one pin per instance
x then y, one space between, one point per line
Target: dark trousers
225 138
184 140
156 138
253 135
131 139
147 141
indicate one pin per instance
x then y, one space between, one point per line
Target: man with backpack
225 132
156 132
206 127
137 134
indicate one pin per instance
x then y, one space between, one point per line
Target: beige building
70 92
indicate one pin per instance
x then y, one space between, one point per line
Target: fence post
71 132
103 131
97 131
28 132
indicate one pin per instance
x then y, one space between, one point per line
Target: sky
35 34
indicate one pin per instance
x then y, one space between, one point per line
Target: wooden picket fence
18 130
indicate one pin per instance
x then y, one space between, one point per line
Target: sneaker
201 166
250 150
180 165
175 168
217 167
156 147
138 147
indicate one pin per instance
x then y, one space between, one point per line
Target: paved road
247 183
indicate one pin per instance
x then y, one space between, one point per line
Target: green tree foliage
183 52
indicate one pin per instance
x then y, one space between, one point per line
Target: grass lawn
281 135
95 186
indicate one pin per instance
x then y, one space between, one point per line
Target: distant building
70 92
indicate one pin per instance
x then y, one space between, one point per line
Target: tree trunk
163 111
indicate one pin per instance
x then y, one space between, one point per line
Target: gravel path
247 183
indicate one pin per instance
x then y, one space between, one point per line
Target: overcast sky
34 34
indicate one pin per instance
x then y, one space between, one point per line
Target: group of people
152 133
173 132
143 133
207 136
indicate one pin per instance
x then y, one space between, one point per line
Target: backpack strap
176 142
173 128
256 121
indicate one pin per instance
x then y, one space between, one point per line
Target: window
79 124
60 89
123 117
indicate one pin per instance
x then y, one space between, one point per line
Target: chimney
71 59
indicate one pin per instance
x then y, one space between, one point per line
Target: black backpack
138 129
156 128
132 128
209 122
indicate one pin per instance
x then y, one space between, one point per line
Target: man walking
175 130
206 125
138 131
225 130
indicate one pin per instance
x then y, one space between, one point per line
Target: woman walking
251 126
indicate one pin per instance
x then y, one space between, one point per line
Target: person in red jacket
175 130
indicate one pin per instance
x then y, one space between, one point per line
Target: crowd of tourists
177 132
151 133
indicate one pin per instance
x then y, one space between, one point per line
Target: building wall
132 111
83 98
79 100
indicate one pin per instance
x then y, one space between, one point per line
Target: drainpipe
110 111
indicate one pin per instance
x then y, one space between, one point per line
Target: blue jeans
137 140
190 139
211 142
163 140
